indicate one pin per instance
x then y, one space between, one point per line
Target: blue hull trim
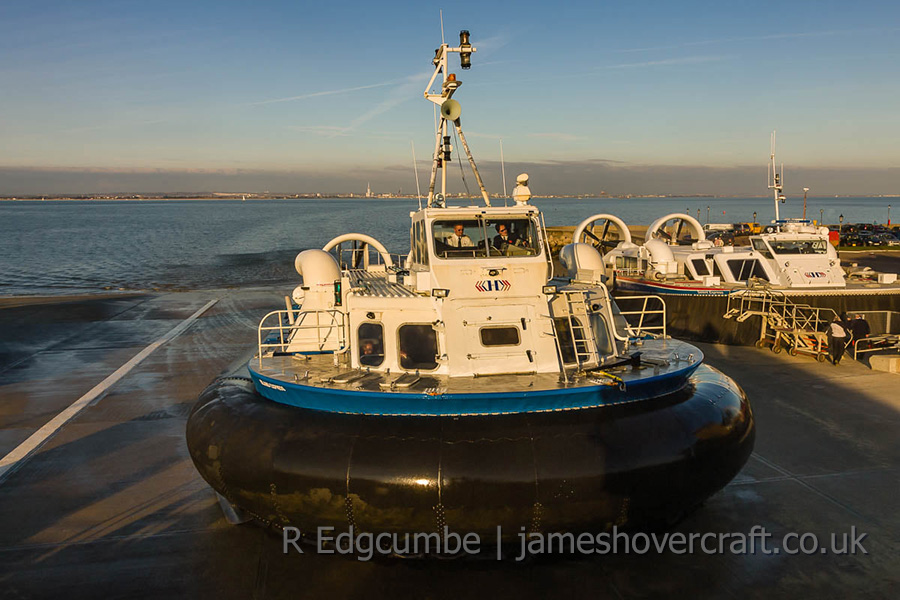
468 404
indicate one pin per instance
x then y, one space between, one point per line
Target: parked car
851 239
746 228
885 239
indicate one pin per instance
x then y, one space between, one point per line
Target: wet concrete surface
111 506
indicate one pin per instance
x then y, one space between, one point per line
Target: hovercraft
466 386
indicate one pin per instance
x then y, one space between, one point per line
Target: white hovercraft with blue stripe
466 385
473 321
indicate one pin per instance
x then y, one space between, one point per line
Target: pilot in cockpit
459 239
502 240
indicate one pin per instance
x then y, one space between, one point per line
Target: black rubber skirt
630 465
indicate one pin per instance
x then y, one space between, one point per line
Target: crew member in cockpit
459 239
502 240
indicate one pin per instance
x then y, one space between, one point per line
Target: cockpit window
798 246
512 237
463 238
760 246
480 238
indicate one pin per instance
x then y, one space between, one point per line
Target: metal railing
646 320
279 329
884 334
360 256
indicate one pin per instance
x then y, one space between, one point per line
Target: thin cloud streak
491 44
323 130
564 137
113 125
403 92
773 36
687 60
403 81
323 93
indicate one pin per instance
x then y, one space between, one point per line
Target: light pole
821 216
698 214
889 215
841 220
707 215
804 204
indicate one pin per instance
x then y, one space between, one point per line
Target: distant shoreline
253 197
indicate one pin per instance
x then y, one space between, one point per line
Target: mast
450 111
776 181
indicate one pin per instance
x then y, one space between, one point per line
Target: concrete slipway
111 506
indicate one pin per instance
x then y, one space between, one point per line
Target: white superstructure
476 295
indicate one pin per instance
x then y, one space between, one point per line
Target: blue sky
330 95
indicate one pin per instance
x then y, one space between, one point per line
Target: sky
294 97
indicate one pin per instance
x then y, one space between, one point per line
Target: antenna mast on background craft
776 181
450 111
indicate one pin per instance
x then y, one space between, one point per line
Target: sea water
68 247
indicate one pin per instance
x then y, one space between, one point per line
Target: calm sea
74 247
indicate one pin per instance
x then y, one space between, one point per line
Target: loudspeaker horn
450 110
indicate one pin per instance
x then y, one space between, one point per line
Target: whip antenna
416 171
503 171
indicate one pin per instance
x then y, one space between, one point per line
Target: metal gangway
801 326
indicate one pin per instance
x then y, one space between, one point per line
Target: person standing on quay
837 339
860 330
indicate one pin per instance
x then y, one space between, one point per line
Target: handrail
290 323
546 245
366 240
641 328
361 258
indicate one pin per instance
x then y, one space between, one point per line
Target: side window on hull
744 269
418 347
370 340
700 267
499 336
